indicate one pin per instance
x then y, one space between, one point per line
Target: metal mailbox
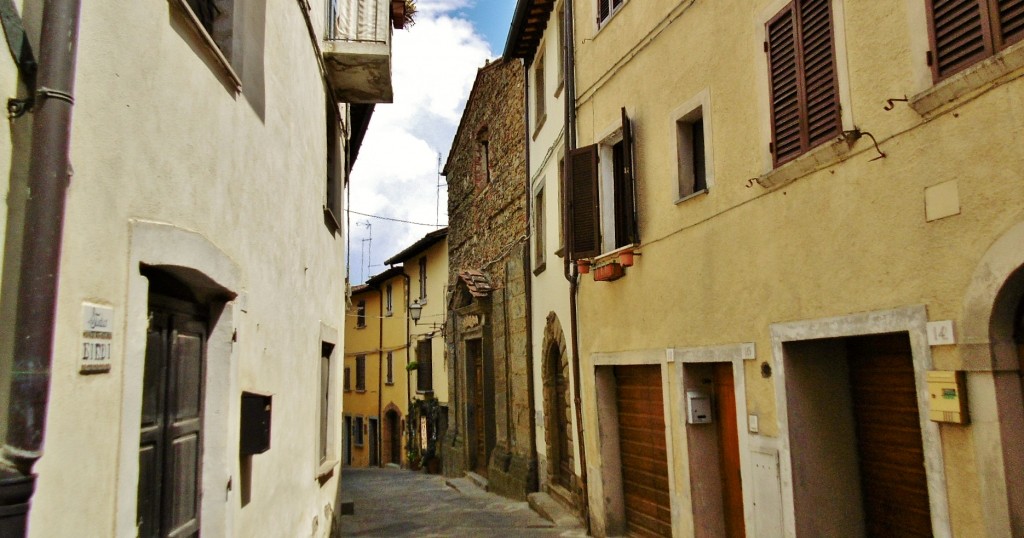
256 412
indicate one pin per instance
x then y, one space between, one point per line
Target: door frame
736 354
204 265
911 320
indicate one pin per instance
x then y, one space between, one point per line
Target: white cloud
434 65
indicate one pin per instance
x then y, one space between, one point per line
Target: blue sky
434 64
491 18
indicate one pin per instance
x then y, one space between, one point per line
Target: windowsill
331 219
424 392
360 391
348 390
389 383
210 44
388 314
611 255
539 125
326 468
695 194
814 160
560 252
540 268
979 78
422 301
360 327
558 90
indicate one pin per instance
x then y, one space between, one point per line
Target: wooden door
395 435
561 421
170 444
894 486
348 440
479 423
374 445
729 449
642 446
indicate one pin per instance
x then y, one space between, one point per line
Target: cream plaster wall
549 288
851 237
158 135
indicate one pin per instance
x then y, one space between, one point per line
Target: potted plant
403 13
412 366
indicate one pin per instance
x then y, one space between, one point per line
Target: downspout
568 49
380 377
533 478
48 178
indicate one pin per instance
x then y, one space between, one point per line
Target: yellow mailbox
947 394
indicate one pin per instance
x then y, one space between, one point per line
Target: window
388 305
963 32
606 8
802 78
694 156
213 22
335 170
538 230
601 199
357 431
423 280
361 314
539 93
424 367
348 379
361 372
390 379
326 350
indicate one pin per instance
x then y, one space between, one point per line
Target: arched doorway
393 439
556 388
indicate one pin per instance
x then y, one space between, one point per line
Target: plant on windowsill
412 366
403 13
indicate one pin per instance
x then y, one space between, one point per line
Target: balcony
357 50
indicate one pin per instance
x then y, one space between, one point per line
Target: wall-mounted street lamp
415 311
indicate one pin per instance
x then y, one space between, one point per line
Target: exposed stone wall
486 174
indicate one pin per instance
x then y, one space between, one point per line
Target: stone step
480 481
553 511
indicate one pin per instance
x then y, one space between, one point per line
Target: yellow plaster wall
721 268
433 314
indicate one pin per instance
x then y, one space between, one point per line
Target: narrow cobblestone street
391 502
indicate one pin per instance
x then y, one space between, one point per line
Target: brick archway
558 438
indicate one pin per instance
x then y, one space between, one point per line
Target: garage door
642 445
893 481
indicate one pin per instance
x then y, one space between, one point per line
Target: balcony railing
357 50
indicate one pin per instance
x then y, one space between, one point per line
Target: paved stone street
392 502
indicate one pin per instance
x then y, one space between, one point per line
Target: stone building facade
491 411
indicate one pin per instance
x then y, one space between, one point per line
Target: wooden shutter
959 35
1010 19
584 212
819 71
625 194
425 368
151 438
802 75
602 10
783 74
184 429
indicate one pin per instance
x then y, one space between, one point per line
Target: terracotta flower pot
626 258
583 266
398 14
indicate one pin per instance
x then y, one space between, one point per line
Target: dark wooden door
348 440
560 408
729 450
374 445
642 445
479 422
170 444
893 481
395 437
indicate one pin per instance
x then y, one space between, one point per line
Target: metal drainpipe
49 174
569 77
533 478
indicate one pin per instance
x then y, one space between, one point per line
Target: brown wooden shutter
602 10
802 75
818 66
625 194
783 74
584 212
1011 22
959 34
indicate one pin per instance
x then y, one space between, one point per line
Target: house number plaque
97 338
